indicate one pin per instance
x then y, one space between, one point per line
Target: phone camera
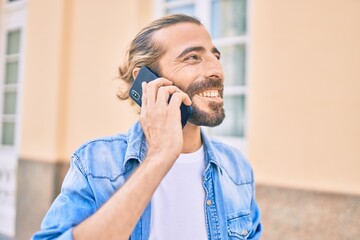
135 95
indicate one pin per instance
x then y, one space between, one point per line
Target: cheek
182 75
183 80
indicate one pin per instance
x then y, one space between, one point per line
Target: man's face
192 63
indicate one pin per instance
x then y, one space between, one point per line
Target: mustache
209 83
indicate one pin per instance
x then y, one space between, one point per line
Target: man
161 181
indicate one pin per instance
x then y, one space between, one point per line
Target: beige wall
305 94
43 52
73 49
99 37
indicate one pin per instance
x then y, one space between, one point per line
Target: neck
192 138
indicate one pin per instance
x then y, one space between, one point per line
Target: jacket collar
137 147
136 144
209 150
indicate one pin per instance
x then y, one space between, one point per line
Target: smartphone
145 74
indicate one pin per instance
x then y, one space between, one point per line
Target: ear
135 72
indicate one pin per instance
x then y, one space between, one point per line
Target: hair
144 51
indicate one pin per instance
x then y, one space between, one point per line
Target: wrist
163 157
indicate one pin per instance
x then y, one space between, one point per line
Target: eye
192 57
217 55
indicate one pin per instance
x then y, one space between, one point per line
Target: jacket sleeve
255 214
74 204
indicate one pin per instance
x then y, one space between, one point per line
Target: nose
213 67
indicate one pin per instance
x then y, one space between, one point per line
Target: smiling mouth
211 93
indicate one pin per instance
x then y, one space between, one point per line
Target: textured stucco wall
304 96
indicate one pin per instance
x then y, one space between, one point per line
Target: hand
160 119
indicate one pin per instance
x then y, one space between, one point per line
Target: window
227 22
13 17
10 85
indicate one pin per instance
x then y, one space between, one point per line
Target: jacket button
208 202
243 232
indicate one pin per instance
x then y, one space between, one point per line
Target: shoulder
233 162
102 157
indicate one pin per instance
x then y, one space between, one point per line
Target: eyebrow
196 49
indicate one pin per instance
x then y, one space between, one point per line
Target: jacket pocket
239 225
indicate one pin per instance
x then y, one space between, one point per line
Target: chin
208 119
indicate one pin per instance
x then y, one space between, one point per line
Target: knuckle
177 94
166 90
162 90
151 85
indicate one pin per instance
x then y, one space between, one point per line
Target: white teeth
209 93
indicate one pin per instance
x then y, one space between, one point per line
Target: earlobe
135 72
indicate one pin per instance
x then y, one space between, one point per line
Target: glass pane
234 122
188 10
11 72
13 42
9 103
8 133
233 63
228 18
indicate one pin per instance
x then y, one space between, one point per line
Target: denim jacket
100 167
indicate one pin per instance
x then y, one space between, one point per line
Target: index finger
153 86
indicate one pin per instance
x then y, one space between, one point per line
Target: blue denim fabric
100 167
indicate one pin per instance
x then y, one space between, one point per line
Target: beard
201 117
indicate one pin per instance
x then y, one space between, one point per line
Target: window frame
13 17
8 88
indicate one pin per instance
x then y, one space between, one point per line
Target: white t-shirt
177 207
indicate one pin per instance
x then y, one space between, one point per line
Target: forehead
177 37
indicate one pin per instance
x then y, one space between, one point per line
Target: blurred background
292 101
